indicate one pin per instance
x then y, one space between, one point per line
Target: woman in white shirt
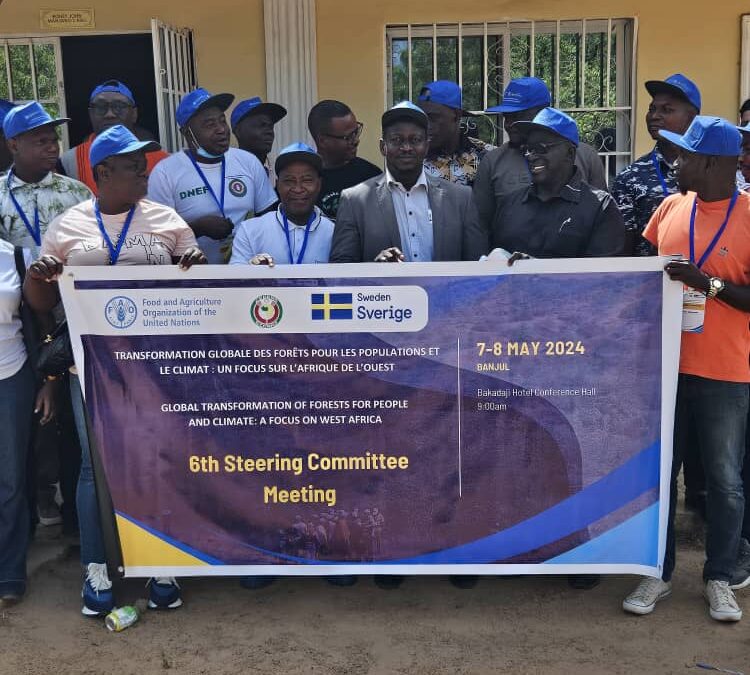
17 387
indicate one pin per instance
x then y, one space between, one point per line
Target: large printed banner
434 418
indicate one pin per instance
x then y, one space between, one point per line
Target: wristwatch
715 286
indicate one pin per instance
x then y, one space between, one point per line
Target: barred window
588 64
31 70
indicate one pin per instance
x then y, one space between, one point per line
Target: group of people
442 195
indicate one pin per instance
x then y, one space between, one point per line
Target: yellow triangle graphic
143 549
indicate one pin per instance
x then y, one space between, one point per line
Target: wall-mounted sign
66 19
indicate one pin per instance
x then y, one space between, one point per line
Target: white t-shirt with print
12 348
247 191
155 235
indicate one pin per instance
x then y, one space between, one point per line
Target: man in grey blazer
405 215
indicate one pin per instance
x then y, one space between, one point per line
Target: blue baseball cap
521 94
115 86
22 118
117 140
5 108
298 152
445 93
708 136
553 120
404 111
255 106
677 85
199 99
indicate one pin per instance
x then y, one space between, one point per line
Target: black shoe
342 580
463 581
584 582
388 582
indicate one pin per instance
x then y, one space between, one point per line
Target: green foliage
575 89
24 57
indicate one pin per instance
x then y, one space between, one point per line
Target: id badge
693 310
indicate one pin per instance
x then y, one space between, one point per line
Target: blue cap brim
52 123
275 111
525 128
313 159
220 101
145 146
675 139
509 108
654 87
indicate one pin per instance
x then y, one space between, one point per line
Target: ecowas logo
120 312
237 187
266 311
383 308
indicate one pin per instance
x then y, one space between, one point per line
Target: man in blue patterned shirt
639 188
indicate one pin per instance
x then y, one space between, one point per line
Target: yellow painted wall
674 35
701 40
229 34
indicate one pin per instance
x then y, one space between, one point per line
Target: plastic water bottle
123 617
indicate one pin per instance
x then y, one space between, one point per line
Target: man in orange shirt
708 224
110 103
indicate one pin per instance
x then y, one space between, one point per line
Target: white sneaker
98 599
722 601
644 598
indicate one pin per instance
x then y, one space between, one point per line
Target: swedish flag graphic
325 306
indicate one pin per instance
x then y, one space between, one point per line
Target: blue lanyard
114 251
308 225
220 204
716 238
36 230
660 175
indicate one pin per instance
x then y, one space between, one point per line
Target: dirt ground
517 625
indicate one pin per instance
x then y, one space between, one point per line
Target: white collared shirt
414 218
265 234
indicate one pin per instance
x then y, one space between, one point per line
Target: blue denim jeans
16 409
718 412
92 541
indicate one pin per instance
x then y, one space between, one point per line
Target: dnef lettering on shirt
175 182
580 222
721 351
155 235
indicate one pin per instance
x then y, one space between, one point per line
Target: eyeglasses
349 138
539 148
119 108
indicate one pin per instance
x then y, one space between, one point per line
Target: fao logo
266 311
120 312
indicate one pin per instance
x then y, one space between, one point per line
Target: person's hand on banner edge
392 254
46 402
688 273
214 227
193 256
262 259
47 268
518 255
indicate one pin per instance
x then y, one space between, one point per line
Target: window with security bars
31 70
588 64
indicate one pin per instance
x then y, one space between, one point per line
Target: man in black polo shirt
337 132
559 215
